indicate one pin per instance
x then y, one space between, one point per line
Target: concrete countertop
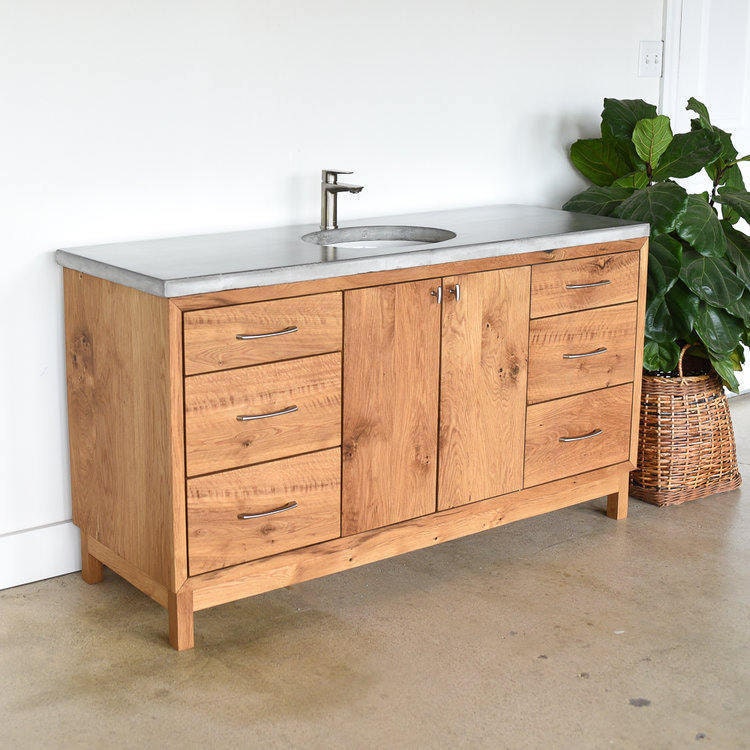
178 266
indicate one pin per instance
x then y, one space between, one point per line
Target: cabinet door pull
251 336
250 417
591 434
438 293
604 282
456 292
600 350
248 516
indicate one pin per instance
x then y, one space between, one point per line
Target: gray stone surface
565 631
178 266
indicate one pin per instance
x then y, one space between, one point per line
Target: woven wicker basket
686 446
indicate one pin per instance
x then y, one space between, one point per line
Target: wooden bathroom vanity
248 411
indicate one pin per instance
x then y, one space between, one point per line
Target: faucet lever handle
330 175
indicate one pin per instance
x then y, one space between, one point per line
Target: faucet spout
330 187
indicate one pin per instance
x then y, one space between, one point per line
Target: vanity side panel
123 359
640 329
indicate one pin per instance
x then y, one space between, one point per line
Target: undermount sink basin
373 237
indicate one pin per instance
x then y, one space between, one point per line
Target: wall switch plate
650 56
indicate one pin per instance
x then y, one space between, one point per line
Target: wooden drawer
305 492
604 415
581 351
215 439
584 283
280 329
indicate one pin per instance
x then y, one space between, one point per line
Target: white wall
124 120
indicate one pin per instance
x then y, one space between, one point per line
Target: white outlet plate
650 56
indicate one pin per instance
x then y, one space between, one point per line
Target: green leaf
738 251
634 181
598 160
739 200
728 151
701 110
651 138
699 225
687 154
712 279
658 357
598 200
683 305
658 204
659 325
742 158
724 367
718 330
620 116
731 178
741 308
664 256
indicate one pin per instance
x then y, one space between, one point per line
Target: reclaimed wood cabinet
230 443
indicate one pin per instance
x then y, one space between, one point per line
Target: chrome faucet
329 190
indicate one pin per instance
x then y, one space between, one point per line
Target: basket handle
682 354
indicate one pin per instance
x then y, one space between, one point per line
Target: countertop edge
432 255
109 272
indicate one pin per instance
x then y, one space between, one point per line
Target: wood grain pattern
125 423
323 559
217 538
550 295
379 278
391 370
215 440
552 376
639 342
211 335
548 459
483 385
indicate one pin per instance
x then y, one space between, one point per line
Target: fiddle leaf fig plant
699 261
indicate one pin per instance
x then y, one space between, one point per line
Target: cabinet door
390 412
483 385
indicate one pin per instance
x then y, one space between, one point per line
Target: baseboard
35 554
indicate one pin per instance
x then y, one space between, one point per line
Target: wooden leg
92 571
181 635
617 502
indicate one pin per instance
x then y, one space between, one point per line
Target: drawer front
302 398
581 351
273 331
290 503
576 434
569 285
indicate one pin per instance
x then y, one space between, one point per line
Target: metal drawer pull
251 336
591 434
600 350
438 293
248 516
588 286
456 292
251 417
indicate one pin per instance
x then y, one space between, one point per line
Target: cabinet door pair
434 395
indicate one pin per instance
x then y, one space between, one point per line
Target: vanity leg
617 502
180 607
92 571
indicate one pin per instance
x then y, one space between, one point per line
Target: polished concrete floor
565 631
